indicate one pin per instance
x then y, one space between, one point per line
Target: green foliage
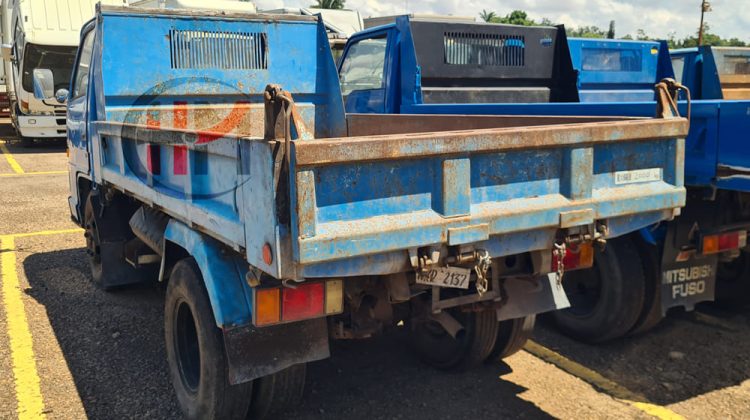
329 4
519 17
586 32
516 17
489 17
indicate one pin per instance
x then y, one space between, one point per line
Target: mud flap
256 352
531 296
685 283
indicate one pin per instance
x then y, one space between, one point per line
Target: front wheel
195 351
607 299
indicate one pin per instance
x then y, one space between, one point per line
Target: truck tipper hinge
667 94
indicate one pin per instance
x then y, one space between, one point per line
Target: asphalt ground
69 350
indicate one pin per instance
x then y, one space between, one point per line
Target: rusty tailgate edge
357 149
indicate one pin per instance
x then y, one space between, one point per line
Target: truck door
362 73
78 102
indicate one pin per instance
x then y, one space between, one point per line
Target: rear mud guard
256 352
685 283
524 297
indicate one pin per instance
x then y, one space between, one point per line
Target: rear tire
651 314
274 394
733 281
607 299
512 335
470 348
195 351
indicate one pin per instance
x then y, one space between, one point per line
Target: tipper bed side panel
494 188
198 82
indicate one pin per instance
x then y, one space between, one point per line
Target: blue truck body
506 70
219 158
716 160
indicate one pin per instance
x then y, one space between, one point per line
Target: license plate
637 175
445 277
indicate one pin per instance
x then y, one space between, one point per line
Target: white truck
41 34
228 6
340 24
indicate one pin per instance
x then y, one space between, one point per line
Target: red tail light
576 256
306 301
713 244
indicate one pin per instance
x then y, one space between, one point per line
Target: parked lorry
227 168
40 34
417 66
702 254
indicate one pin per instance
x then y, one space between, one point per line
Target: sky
659 18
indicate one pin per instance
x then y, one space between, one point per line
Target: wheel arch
222 271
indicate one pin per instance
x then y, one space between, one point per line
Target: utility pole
705 7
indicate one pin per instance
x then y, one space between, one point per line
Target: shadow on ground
685 356
113 345
40 146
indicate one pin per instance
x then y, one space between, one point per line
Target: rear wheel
733 281
274 394
195 351
470 347
512 335
607 299
651 314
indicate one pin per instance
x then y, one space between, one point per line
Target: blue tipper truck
418 67
703 253
211 151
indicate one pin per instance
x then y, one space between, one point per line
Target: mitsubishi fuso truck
226 168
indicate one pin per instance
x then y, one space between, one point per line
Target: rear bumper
42 126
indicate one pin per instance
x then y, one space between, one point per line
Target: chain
559 253
481 269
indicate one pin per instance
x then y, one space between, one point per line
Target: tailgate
367 195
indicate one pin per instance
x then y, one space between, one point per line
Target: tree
488 16
611 31
329 4
586 32
517 17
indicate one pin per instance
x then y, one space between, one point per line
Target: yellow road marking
45 232
713 321
30 404
11 160
597 380
33 173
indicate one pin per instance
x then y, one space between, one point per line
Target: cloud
729 18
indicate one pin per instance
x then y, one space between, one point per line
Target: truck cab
390 68
35 41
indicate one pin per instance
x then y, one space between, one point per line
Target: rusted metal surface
373 148
373 124
207 14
